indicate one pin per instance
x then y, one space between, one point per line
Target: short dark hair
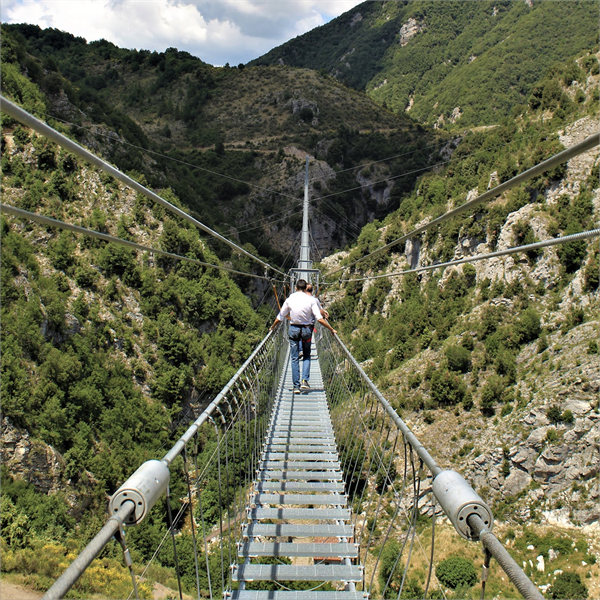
301 285
309 288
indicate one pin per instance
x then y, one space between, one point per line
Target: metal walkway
298 508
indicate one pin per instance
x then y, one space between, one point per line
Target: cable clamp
223 420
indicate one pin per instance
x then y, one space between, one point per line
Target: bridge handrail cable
135 498
469 514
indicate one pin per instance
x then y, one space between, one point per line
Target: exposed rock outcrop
31 460
409 30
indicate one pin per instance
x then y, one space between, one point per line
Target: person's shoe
296 390
305 385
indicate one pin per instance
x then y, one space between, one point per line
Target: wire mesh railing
394 485
216 459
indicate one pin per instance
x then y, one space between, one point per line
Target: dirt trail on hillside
9 591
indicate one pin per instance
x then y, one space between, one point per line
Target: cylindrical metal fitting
143 488
459 501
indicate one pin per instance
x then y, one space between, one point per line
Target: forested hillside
496 363
230 142
452 64
106 353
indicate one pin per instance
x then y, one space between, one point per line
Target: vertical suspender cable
228 493
219 438
172 531
189 488
210 590
415 514
433 504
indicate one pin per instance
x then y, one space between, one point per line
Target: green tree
459 358
492 393
456 571
447 388
568 586
528 326
591 274
391 570
572 254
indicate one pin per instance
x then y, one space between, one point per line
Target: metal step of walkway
297 499
297 573
298 509
292 595
323 456
299 486
290 549
297 531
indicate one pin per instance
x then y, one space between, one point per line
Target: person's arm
328 326
285 309
323 311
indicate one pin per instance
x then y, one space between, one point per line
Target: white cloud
216 31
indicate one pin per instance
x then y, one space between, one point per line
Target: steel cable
413 528
500 253
192 523
166 156
557 159
24 117
24 214
172 532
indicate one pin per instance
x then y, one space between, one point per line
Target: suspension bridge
312 487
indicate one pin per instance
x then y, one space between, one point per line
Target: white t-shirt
302 308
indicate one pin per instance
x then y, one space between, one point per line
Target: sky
217 32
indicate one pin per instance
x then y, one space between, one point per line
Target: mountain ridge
424 55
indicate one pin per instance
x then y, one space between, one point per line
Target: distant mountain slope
432 57
230 142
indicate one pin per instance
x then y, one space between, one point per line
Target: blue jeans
297 334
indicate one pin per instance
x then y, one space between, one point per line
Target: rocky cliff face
546 465
43 467
330 230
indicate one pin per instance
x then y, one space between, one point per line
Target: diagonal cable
546 165
537 245
24 117
24 214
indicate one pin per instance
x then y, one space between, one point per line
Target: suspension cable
171 525
387 158
546 243
24 214
546 165
229 177
24 117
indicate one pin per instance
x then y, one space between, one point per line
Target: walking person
309 291
303 311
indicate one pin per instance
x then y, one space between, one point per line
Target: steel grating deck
298 507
